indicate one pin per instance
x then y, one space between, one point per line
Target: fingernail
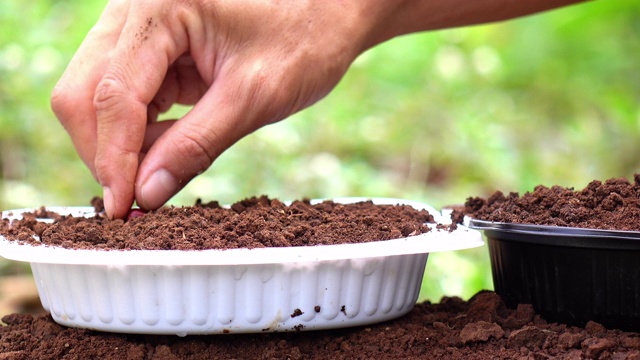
109 201
158 188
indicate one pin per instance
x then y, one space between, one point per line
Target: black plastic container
569 275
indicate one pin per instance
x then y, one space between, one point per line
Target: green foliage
435 117
38 164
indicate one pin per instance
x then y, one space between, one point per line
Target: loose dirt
481 328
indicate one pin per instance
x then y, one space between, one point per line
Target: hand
241 64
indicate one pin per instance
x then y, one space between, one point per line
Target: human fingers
72 97
181 85
154 131
148 43
241 100
265 72
191 144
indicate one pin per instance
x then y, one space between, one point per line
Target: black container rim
559 235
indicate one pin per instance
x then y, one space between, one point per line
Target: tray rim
436 240
557 235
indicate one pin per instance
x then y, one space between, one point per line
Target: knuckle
61 102
118 167
109 92
201 148
103 170
101 167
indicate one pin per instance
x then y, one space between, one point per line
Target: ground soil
480 328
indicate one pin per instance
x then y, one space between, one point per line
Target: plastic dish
237 290
569 275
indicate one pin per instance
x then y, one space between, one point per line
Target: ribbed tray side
185 300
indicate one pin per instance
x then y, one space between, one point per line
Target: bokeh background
549 99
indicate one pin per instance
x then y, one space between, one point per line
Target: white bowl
235 290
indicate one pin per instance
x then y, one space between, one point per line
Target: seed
134 213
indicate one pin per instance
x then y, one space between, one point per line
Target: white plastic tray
236 290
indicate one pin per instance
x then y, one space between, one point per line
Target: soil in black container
612 205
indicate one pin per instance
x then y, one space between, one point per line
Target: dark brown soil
613 205
251 223
481 328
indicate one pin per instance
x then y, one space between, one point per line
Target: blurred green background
436 117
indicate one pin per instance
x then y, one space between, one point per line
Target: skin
241 64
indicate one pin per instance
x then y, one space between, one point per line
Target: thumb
191 145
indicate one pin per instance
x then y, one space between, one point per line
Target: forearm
390 18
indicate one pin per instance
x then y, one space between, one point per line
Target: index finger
138 65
